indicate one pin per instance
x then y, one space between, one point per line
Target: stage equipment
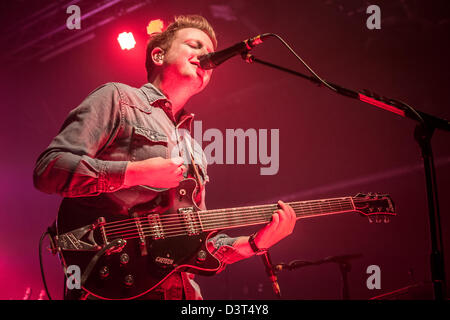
344 266
423 133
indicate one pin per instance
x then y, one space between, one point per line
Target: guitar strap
189 148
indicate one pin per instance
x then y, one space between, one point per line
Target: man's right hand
155 172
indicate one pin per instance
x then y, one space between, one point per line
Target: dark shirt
87 160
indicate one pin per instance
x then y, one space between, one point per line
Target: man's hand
282 225
155 172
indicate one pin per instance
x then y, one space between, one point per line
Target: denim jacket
87 160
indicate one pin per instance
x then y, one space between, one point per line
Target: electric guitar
123 258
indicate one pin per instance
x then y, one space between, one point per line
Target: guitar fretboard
253 215
172 225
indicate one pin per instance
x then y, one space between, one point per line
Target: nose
203 51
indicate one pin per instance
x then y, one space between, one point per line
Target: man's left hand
282 225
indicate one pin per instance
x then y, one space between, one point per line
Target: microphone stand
267 261
423 133
344 266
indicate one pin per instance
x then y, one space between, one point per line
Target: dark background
329 145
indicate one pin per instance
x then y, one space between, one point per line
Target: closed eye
197 45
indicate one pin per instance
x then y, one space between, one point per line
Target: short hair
164 39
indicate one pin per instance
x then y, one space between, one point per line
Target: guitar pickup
192 224
156 228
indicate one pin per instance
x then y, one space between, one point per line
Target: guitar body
142 263
124 255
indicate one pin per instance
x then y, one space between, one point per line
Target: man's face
181 65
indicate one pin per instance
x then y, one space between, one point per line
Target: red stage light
126 40
155 26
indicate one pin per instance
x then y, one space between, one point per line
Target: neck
177 94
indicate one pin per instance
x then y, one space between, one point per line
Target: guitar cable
46 232
335 88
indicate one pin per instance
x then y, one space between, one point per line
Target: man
121 138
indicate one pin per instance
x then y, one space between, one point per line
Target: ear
157 56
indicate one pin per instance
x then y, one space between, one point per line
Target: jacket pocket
147 143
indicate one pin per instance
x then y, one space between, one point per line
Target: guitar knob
386 219
124 259
104 272
128 280
201 256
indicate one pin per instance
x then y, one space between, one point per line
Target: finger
286 221
283 205
293 218
288 209
275 219
177 161
181 170
283 217
292 212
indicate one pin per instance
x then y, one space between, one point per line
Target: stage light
126 40
155 26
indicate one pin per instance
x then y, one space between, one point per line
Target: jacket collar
157 99
153 94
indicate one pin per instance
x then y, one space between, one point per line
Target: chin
196 82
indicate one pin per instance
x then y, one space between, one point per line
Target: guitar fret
252 215
229 218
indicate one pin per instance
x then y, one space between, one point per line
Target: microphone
214 59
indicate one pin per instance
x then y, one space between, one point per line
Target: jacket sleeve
221 246
69 166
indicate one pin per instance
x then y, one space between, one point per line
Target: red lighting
155 26
126 40
381 105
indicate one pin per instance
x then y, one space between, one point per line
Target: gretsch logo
164 260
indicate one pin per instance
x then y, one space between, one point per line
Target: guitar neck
219 219
187 221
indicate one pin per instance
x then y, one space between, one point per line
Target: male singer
120 138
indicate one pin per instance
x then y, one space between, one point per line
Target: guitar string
205 220
254 220
211 218
210 214
229 224
149 231
173 233
218 211
230 220
185 233
169 229
217 222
